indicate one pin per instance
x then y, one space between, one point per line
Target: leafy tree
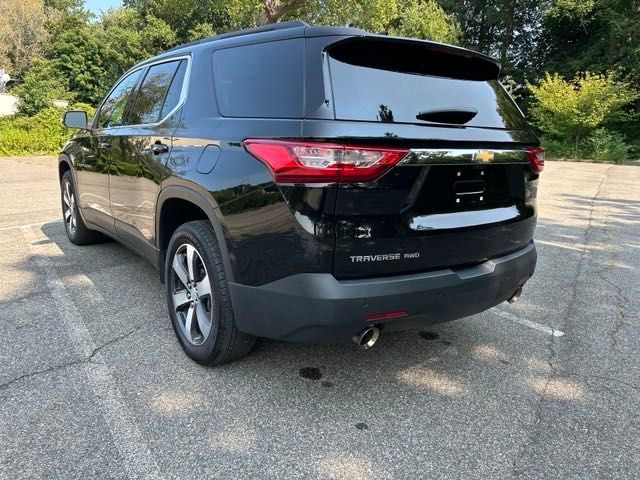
426 19
23 34
41 85
76 53
570 109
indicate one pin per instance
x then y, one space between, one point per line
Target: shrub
603 145
572 109
558 149
40 134
41 86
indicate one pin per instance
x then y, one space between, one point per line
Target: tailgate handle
469 187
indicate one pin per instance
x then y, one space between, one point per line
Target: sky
97 5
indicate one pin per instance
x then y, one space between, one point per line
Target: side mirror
75 119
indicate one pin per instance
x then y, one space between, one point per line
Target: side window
264 80
173 95
113 109
151 96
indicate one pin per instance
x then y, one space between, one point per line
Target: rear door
464 192
140 150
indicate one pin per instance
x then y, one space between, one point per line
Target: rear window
262 80
388 89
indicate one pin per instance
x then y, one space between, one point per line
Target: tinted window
152 93
263 80
364 93
113 109
173 95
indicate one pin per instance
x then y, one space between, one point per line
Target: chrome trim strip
437 156
471 218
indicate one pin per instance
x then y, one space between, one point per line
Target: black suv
310 184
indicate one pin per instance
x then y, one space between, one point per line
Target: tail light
311 162
536 158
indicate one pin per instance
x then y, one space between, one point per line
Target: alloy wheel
191 294
69 200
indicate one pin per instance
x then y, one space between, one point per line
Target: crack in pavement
90 358
29 375
539 409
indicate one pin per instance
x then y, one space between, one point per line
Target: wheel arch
198 207
64 165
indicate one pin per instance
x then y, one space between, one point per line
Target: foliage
570 109
41 86
426 19
603 145
558 149
23 34
80 60
40 134
85 53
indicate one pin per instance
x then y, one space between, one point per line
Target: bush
41 86
40 134
603 145
558 149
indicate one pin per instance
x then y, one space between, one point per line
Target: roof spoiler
415 56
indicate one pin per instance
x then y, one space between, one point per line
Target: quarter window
112 113
155 88
175 90
262 80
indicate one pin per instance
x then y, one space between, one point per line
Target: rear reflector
311 162
536 158
386 315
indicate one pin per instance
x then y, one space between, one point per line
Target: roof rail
245 31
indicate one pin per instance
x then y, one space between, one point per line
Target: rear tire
75 227
198 297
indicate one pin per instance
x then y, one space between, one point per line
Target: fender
208 205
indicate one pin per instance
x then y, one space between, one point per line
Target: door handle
104 145
158 148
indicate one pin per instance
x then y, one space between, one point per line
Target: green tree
41 85
426 19
572 109
76 53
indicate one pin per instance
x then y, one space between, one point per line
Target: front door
94 163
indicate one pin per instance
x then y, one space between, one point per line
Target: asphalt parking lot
93 383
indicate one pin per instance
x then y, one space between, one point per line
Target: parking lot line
29 225
528 323
137 459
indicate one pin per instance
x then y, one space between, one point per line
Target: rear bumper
314 308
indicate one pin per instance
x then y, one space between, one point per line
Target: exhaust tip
516 295
367 338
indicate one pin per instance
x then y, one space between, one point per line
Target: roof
298 28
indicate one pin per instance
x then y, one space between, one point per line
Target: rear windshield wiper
457 115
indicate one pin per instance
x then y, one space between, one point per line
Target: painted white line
528 323
29 225
137 459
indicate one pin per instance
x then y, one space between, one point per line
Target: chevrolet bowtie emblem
483 156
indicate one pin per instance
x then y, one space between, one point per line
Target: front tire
75 227
198 297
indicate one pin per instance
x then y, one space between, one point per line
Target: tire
75 227
198 299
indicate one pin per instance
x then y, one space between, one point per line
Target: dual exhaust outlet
368 337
